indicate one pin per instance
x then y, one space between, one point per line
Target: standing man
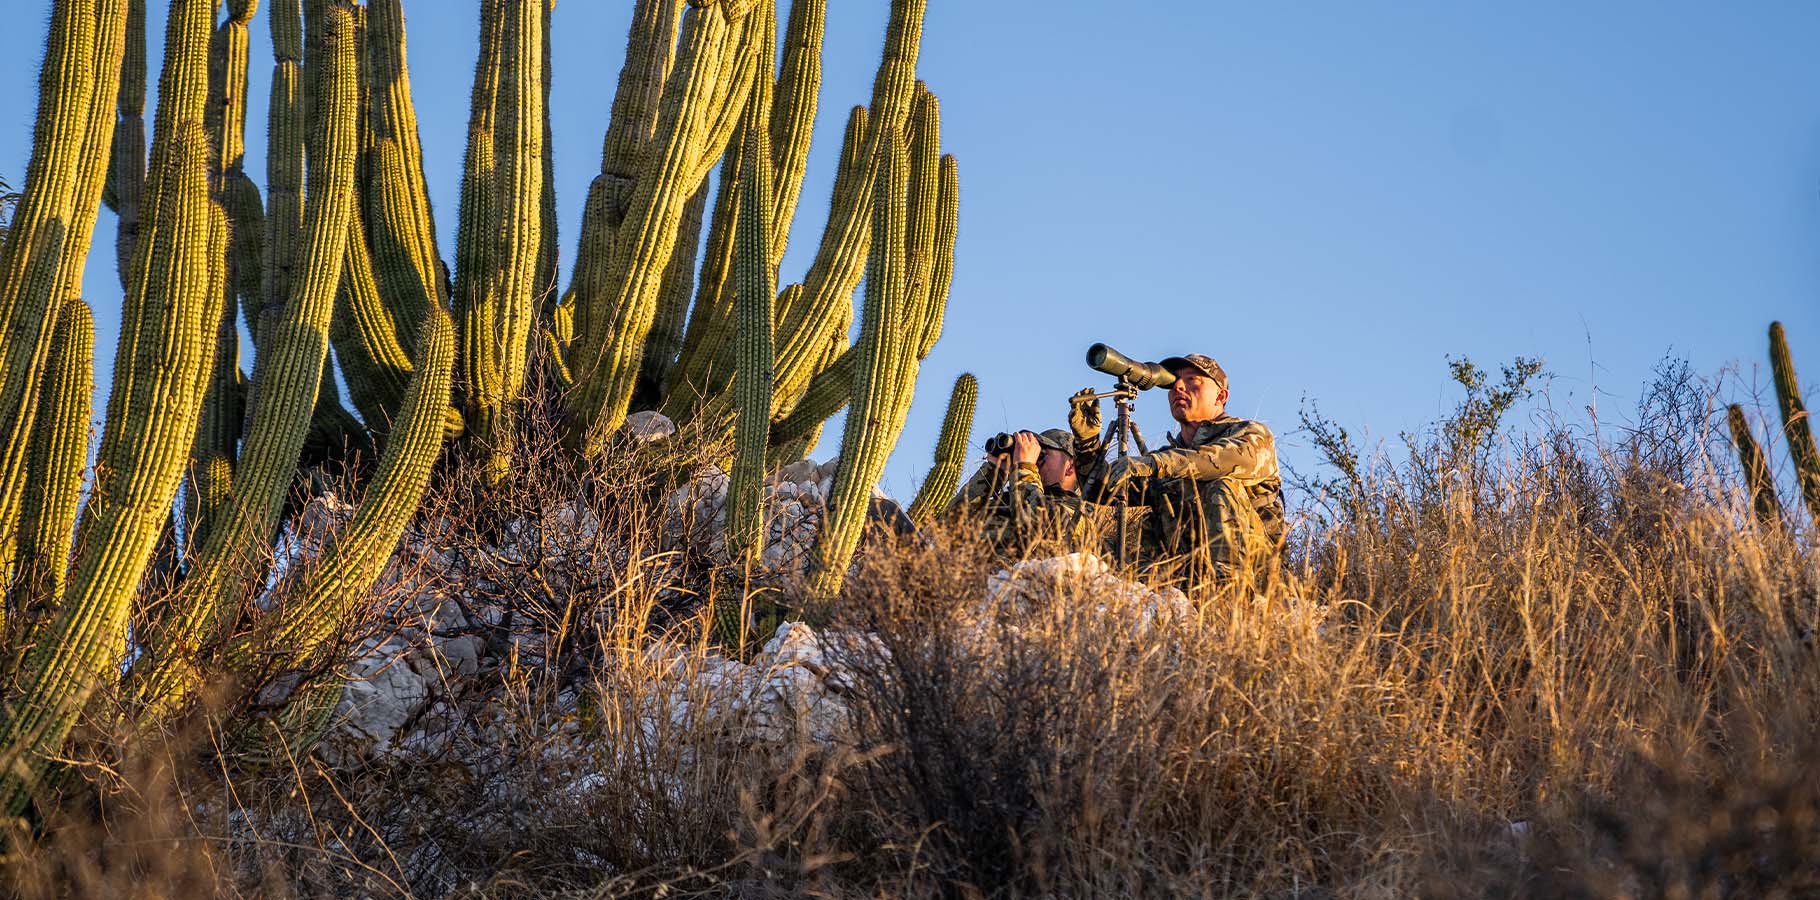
1214 494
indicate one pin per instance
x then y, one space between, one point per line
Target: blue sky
1330 198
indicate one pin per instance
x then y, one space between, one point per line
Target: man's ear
1224 394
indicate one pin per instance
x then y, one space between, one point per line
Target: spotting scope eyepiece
1142 375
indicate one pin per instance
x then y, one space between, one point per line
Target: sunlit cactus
1796 427
59 454
884 376
756 282
950 450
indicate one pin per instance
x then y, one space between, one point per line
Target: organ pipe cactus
59 453
161 368
287 374
885 374
347 256
756 284
950 450
1757 477
47 244
1796 427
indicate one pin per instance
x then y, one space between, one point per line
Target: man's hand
1084 414
1125 468
1025 449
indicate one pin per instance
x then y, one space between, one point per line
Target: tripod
1126 431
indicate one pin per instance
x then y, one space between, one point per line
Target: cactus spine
757 282
1757 476
1796 427
950 450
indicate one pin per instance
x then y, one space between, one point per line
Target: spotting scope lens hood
1142 375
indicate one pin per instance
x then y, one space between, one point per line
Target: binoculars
1141 375
999 443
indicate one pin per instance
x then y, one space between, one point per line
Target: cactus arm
1757 477
520 182
126 172
1796 427
885 376
941 279
476 243
950 451
843 254
42 260
319 608
365 336
398 211
284 170
166 340
698 372
548 241
288 376
793 115
59 454
702 368
650 50
757 282
609 358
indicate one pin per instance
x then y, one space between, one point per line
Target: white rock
648 426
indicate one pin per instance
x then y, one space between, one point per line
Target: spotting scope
1140 375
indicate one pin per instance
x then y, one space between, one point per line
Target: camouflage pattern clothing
1023 514
1211 502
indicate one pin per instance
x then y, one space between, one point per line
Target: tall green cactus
620 296
499 271
1757 477
885 376
757 282
42 260
1796 428
161 369
59 454
287 375
317 610
950 450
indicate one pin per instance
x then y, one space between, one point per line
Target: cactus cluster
335 268
1796 430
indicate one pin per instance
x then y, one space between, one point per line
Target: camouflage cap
1057 439
1198 362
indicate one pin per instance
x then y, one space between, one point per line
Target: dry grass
1579 633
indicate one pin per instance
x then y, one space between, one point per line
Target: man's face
1194 397
1056 469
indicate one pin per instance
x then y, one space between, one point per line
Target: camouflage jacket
1237 453
1017 514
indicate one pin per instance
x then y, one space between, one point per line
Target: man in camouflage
1214 496
1027 495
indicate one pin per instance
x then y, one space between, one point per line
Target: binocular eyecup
1141 375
